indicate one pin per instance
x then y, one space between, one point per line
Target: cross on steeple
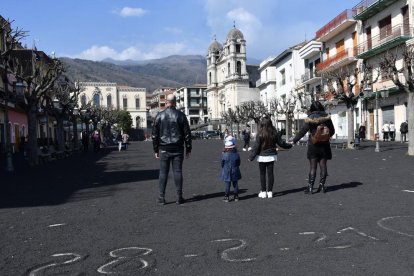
234 23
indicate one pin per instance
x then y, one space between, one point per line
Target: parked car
211 134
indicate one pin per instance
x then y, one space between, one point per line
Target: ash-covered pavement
93 214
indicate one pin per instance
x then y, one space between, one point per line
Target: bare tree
39 72
341 86
403 77
60 101
12 38
253 110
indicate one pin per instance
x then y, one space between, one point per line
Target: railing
308 75
338 20
362 6
397 31
347 53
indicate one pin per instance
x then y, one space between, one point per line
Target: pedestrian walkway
97 207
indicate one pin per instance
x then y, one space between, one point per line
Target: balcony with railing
342 58
261 82
341 22
384 41
309 76
368 8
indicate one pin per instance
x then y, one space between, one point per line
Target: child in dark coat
230 163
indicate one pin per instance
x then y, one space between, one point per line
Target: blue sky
149 29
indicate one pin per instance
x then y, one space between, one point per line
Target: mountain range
173 71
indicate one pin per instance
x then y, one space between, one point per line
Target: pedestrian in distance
361 132
125 140
392 131
385 132
96 138
119 140
230 172
318 152
246 139
85 140
170 135
265 149
404 131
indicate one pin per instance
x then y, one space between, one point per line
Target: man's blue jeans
176 159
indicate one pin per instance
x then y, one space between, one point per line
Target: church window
209 78
83 100
97 100
109 101
238 48
125 103
239 67
228 69
137 103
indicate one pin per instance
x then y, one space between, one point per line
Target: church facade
230 81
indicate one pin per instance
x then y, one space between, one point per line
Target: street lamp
289 110
384 94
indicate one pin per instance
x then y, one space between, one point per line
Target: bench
340 142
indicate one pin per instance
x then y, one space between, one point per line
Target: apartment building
158 97
352 40
385 26
279 77
339 52
192 100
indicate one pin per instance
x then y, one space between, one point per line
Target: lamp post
289 111
384 94
75 113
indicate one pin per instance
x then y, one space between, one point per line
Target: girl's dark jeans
263 167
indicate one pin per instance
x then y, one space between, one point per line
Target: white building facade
228 80
110 95
384 26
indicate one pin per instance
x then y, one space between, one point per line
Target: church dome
235 34
215 46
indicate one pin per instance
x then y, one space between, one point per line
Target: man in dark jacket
404 130
170 133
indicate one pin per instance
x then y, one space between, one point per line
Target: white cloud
249 24
128 12
141 52
173 30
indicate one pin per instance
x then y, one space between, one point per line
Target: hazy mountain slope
173 71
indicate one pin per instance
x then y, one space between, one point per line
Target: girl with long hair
265 148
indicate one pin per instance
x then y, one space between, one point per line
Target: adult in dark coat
319 153
171 135
362 130
404 131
